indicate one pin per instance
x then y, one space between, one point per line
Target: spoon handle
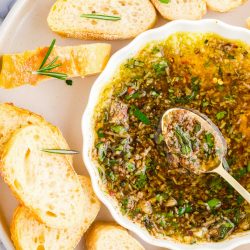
235 184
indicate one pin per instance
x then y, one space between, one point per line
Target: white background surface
58 103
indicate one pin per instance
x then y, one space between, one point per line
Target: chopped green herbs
69 82
184 209
214 203
100 133
221 115
197 128
141 181
160 68
209 140
154 93
102 151
101 17
195 87
130 166
118 129
133 63
184 141
225 228
140 115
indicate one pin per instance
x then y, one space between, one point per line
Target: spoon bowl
179 131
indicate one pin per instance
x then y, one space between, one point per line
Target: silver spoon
220 145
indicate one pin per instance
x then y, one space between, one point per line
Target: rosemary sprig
61 151
46 69
101 17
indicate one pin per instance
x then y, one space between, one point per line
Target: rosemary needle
61 151
48 53
101 17
46 69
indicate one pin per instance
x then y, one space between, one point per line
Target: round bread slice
44 182
224 5
28 233
12 118
136 17
106 235
181 9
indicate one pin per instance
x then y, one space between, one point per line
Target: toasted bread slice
44 182
28 233
248 22
181 9
136 17
12 118
224 5
81 60
104 235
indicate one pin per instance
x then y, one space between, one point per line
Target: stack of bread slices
56 205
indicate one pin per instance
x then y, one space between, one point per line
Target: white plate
26 28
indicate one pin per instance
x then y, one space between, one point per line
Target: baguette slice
136 17
46 183
224 5
12 118
28 233
81 60
181 9
248 22
103 235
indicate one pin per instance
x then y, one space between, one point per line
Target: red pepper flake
130 90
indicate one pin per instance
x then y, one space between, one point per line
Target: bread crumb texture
28 233
136 17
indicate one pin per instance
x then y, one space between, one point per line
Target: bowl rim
161 33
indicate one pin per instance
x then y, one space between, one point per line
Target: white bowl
207 25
